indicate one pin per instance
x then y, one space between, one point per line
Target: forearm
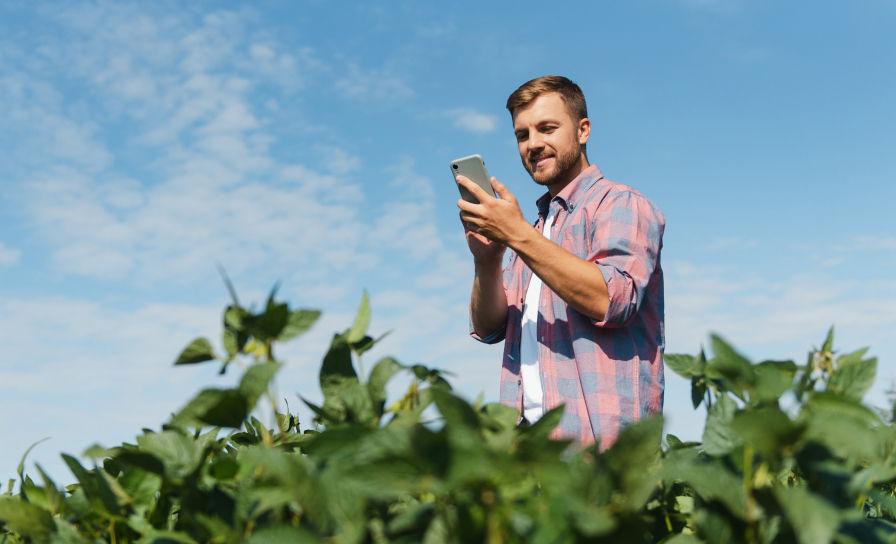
578 282
488 302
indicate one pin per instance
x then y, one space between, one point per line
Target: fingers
473 188
502 191
469 207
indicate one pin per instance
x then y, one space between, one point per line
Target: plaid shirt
608 373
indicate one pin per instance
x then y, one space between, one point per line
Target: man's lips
541 161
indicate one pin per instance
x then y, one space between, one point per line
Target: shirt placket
544 333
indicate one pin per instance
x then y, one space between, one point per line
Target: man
580 301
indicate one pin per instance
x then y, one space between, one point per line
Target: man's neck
567 177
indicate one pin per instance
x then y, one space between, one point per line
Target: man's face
549 139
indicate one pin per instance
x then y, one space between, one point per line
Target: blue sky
309 143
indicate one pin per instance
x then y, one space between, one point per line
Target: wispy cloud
174 168
471 120
184 97
371 84
769 312
713 5
872 243
9 255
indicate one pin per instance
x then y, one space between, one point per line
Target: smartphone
474 168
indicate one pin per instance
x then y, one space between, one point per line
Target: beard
558 171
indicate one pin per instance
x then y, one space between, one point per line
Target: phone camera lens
454 166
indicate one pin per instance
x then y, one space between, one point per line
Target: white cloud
365 85
9 256
767 311
337 160
184 93
713 5
768 314
726 243
871 243
80 371
472 120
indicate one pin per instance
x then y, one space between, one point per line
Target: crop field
789 454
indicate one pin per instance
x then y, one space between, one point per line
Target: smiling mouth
541 161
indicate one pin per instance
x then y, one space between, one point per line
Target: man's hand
493 223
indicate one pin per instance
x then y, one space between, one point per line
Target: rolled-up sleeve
626 241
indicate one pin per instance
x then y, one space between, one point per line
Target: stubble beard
563 163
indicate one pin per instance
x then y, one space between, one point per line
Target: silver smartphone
474 168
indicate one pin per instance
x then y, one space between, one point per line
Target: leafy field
789 454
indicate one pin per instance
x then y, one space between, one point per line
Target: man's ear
584 130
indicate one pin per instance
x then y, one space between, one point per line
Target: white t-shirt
533 394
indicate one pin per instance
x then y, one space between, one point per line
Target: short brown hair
570 93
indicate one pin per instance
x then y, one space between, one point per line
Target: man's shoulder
609 193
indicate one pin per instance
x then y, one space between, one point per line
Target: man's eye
548 130
521 136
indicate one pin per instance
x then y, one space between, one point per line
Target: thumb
501 190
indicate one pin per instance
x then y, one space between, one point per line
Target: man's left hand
498 219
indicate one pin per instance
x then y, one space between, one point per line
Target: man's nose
535 143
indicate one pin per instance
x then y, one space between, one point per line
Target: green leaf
594 521
20 470
215 407
228 284
382 372
709 478
94 486
178 453
633 460
235 336
501 416
814 519
256 380
767 429
95 451
26 519
139 459
142 486
732 368
853 376
199 351
828 343
55 498
337 366
362 321
698 390
455 410
682 538
282 534
155 536
31 492
844 425
773 378
272 322
224 468
718 437
673 442
298 323
683 365
540 430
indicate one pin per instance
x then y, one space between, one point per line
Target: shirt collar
572 193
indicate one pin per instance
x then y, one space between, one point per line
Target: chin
543 178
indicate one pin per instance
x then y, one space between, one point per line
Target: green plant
817 466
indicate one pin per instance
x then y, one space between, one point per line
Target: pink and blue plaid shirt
608 373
